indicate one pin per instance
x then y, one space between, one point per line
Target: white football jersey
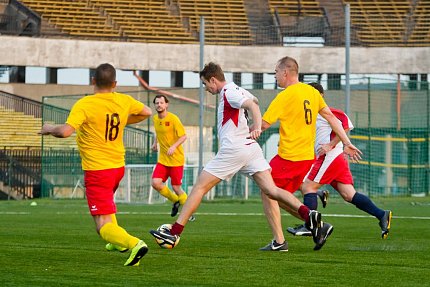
325 134
232 122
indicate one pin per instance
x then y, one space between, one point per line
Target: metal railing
21 104
20 173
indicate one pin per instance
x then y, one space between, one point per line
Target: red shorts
100 186
288 174
331 171
164 172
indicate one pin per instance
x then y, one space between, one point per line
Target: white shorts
247 159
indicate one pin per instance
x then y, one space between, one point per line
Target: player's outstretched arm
352 151
143 115
148 87
58 131
142 81
325 148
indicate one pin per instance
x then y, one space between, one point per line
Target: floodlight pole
347 58
201 92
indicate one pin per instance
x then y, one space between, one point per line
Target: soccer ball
162 243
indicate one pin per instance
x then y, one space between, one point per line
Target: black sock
364 203
311 201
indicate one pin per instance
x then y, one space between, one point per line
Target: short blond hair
289 64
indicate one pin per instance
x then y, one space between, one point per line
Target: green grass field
54 244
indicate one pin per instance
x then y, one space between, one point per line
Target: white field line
262 214
224 214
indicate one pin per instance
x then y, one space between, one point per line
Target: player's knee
308 187
347 197
177 189
158 185
270 193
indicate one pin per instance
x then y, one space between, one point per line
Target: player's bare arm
58 131
352 151
180 141
148 87
141 81
325 148
254 110
143 115
264 125
154 146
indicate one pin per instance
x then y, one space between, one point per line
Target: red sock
304 212
177 229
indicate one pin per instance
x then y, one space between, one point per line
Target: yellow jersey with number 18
99 121
296 108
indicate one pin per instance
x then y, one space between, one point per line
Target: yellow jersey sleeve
76 116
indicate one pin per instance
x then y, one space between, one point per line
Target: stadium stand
148 21
299 18
226 22
18 130
21 148
390 22
420 36
229 22
296 8
75 18
17 19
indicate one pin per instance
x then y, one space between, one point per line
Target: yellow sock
117 235
182 198
167 193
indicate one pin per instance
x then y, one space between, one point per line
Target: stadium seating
395 22
75 18
374 22
148 21
226 21
18 131
421 34
292 7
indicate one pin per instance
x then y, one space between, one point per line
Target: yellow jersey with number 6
99 121
296 108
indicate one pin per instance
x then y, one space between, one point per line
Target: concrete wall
37 91
67 53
